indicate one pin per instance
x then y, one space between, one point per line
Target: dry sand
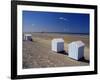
38 54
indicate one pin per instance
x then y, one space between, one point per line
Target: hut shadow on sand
81 59
63 52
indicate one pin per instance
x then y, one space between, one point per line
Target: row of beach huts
75 49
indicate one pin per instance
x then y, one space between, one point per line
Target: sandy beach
38 53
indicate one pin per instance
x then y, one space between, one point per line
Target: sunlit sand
38 54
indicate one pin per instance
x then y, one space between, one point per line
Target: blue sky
35 21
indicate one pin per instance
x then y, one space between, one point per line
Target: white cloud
62 18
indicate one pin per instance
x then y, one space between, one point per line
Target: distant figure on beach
28 37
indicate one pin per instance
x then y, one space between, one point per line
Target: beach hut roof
58 40
28 34
77 43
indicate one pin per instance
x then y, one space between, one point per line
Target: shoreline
68 38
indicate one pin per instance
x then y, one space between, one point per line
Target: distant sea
64 33
69 33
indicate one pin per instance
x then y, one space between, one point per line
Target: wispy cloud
62 18
66 29
33 24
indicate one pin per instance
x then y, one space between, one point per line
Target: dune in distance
38 54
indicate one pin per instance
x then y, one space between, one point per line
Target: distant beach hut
28 37
76 50
57 45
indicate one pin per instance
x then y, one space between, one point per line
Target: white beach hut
28 37
76 50
57 45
